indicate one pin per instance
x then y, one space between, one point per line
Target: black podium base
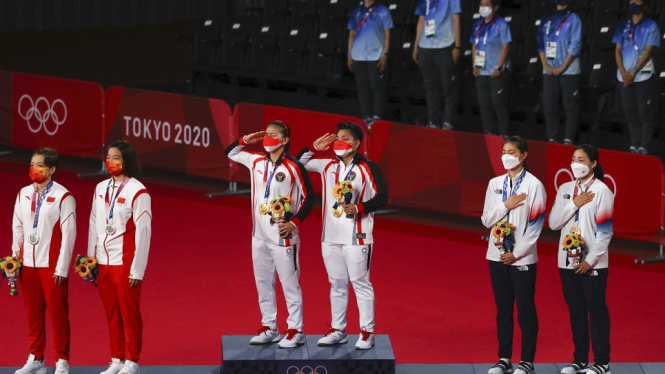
240 357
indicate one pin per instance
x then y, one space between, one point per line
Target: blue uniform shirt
645 33
441 11
493 35
369 43
569 39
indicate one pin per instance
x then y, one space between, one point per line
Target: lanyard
518 183
560 26
268 179
480 28
630 35
347 174
113 200
36 209
436 4
577 212
362 23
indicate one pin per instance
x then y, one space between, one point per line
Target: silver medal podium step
238 356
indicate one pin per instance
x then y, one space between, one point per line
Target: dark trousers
371 88
493 95
585 296
640 104
510 285
440 80
565 87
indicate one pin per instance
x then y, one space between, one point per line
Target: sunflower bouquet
504 238
280 209
10 269
574 244
86 267
343 193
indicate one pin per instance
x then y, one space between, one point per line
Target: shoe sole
344 341
296 346
364 349
277 339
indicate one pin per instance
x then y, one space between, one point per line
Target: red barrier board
170 132
38 111
306 127
448 172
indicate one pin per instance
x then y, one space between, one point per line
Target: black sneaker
525 368
599 369
575 367
501 367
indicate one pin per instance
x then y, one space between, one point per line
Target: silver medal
110 229
33 238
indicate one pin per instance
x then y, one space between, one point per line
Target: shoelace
263 329
291 333
366 334
332 330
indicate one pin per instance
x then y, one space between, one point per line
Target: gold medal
575 230
337 212
264 209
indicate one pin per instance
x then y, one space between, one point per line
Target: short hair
51 157
355 129
131 167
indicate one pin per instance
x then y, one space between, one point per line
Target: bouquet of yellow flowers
574 244
280 209
343 193
10 269
86 267
504 238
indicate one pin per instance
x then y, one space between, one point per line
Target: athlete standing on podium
347 239
281 200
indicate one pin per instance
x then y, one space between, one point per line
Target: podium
239 357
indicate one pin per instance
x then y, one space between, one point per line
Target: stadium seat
236 42
333 12
206 42
326 57
401 12
265 46
295 44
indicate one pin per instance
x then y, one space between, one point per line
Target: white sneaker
130 367
525 368
502 367
575 367
366 339
334 336
61 367
114 366
32 367
292 339
265 335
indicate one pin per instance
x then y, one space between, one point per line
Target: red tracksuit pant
123 311
39 293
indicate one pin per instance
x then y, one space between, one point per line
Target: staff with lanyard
635 39
584 208
369 43
491 44
515 199
44 231
559 46
436 50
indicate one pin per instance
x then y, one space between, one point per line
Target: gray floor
617 368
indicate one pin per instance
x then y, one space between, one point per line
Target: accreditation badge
551 50
430 28
480 59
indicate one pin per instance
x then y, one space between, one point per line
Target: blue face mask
560 2
636 8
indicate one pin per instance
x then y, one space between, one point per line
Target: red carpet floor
433 290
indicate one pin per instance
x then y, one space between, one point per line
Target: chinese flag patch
50 199
121 200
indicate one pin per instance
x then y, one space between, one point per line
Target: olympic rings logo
43 112
572 178
306 370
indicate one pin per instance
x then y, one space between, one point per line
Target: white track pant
344 263
267 258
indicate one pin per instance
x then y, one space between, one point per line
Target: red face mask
114 167
38 174
342 148
271 144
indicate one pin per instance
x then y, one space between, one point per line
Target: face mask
271 144
38 174
636 8
560 2
580 170
510 162
485 11
114 167
342 148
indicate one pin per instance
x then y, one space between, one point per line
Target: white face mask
579 170
510 162
485 11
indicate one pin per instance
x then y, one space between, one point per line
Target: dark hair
355 129
51 157
521 144
286 132
496 3
130 166
592 153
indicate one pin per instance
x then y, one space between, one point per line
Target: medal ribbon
630 35
35 209
113 200
560 26
577 212
480 28
268 180
436 4
362 22
518 183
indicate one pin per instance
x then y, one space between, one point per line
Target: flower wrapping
343 194
574 244
280 209
11 270
504 238
87 268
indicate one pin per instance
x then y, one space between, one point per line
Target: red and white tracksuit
347 243
122 255
271 252
50 256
